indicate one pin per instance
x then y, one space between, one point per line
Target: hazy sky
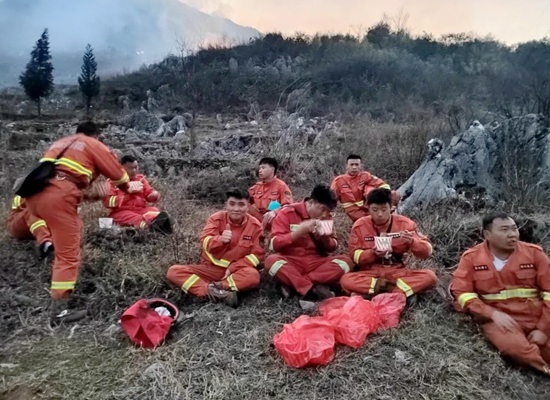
511 21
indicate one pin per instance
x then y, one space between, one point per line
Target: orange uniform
130 209
263 193
520 289
299 264
240 257
84 160
352 190
372 268
24 225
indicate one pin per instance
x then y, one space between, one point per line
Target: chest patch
481 268
247 237
527 266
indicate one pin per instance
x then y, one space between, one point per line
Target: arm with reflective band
72 165
357 250
150 194
421 246
335 188
107 164
281 234
211 241
543 282
462 288
16 203
256 255
114 199
373 182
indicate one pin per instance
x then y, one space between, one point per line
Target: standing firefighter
83 159
352 188
24 225
384 269
505 284
134 208
231 252
302 247
268 190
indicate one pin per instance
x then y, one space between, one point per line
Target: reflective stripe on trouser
57 205
138 218
19 223
302 273
514 344
194 279
408 281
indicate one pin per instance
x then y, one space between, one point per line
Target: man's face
503 235
380 213
236 209
131 168
317 210
265 172
354 166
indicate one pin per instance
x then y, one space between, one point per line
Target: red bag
306 342
353 318
389 307
144 325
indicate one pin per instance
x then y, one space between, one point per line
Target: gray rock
142 121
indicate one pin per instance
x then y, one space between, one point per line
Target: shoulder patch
481 267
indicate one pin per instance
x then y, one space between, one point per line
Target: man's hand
135 187
504 321
306 227
226 235
226 275
98 191
268 217
380 253
407 237
153 197
538 337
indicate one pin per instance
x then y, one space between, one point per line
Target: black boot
161 224
60 312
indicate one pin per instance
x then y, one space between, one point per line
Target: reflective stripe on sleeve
342 264
16 203
357 255
276 267
125 178
253 259
545 296
356 203
466 297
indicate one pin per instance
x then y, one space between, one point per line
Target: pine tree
88 80
37 79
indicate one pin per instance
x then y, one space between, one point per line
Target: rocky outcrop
485 163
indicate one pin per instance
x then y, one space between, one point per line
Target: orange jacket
351 190
86 159
243 251
521 289
118 200
361 242
286 221
261 194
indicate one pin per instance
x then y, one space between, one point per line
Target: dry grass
222 353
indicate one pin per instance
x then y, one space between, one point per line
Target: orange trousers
302 273
516 346
194 279
24 225
57 205
140 218
410 281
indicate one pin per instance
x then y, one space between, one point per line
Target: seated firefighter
302 245
231 252
505 284
384 269
24 225
135 207
269 193
352 188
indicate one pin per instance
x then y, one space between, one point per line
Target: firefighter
269 190
505 284
384 269
24 225
302 259
83 161
134 209
231 253
353 187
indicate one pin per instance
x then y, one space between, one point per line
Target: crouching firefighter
231 253
76 161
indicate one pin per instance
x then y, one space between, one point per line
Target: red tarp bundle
144 325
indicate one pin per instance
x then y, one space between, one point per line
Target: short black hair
324 195
237 194
353 157
88 128
271 162
487 221
128 158
379 196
